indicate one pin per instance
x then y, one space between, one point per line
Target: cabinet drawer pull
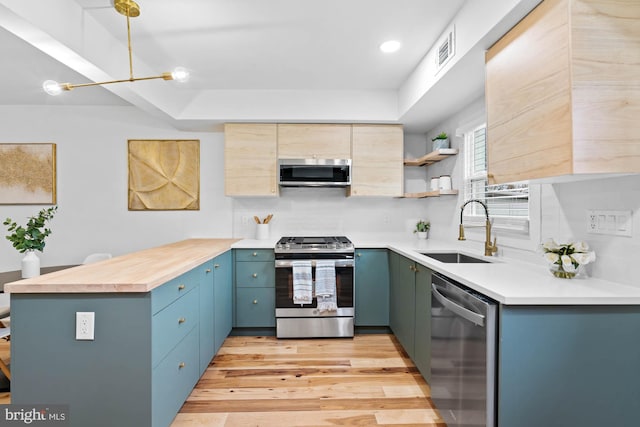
254 275
181 365
181 287
412 268
255 254
255 301
181 320
216 266
208 270
359 255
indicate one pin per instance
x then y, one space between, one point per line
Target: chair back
96 257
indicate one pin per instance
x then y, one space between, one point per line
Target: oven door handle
285 263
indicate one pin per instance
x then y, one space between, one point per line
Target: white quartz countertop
505 280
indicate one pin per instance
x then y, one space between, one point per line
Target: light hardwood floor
263 381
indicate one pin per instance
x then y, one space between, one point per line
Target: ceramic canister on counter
445 182
435 184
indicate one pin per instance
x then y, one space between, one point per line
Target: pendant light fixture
130 9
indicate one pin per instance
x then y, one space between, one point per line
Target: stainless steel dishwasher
463 354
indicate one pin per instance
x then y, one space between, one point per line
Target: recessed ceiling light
390 46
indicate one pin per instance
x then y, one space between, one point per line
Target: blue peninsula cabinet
153 336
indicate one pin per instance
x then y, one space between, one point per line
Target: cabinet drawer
173 379
256 274
170 325
255 307
254 255
173 289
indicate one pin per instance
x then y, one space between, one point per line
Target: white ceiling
250 60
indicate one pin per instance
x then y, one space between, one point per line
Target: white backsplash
325 211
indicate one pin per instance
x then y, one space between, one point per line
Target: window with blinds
508 204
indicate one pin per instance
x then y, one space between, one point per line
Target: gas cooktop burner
314 244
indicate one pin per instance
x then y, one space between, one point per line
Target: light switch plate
614 223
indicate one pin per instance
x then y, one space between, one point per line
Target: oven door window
284 288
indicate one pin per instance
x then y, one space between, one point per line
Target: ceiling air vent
446 48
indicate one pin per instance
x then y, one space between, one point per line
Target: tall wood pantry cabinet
563 92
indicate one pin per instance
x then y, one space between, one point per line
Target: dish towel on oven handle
302 282
326 286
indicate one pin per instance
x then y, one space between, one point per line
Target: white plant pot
440 143
422 234
30 265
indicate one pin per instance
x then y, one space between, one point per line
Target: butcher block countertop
140 271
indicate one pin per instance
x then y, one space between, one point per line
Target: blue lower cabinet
564 366
223 298
172 324
205 275
174 378
402 309
255 292
410 309
422 333
255 307
371 287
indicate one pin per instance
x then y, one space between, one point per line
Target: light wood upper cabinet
314 141
377 163
563 92
250 164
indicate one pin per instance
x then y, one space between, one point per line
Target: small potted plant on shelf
440 141
30 239
422 229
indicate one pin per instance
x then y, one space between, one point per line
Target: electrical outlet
245 220
85 323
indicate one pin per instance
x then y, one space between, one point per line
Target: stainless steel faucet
489 248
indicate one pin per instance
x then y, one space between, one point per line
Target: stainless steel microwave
314 172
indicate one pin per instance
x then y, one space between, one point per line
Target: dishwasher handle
475 318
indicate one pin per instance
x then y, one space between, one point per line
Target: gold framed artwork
28 174
164 174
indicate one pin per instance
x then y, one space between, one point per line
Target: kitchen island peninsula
160 315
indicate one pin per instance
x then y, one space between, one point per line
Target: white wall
92 183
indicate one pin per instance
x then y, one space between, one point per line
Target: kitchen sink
453 257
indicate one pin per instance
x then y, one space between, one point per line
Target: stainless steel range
306 318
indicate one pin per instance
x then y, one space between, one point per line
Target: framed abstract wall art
164 174
28 174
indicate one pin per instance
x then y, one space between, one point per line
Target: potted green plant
30 238
422 229
440 141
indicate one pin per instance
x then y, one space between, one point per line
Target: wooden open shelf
433 157
430 194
